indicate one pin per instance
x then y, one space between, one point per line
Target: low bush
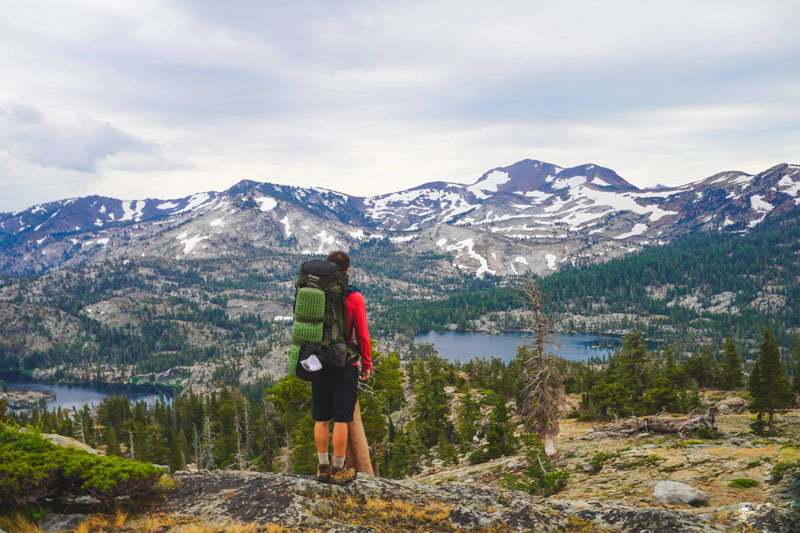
540 477
600 458
780 468
33 469
688 443
705 433
743 483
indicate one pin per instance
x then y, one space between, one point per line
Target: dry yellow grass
218 527
120 517
18 523
375 505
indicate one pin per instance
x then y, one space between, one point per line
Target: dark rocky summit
376 504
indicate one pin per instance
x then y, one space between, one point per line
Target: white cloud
164 99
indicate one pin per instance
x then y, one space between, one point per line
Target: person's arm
359 310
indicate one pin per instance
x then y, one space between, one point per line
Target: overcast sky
139 99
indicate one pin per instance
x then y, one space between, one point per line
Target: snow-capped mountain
529 216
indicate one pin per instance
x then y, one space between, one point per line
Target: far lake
75 396
463 345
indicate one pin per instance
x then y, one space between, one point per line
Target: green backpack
320 315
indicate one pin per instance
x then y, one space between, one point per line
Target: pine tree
112 444
731 376
208 445
468 412
431 407
499 436
268 410
768 383
796 358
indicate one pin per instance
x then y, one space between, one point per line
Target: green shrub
32 469
586 418
743 483
705 433
600 458
780 468
540 477
574 414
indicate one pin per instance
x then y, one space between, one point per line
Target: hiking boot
342 476
324 473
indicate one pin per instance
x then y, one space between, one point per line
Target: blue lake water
75 396
463 345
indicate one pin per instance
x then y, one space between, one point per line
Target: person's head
341 259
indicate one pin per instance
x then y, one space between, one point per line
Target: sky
145 99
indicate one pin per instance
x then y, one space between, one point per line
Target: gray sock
338 461
323 458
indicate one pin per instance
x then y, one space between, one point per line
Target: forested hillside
712 285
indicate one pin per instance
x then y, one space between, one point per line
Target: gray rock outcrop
298 502
677 493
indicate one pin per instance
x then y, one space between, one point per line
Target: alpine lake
70 397
463 346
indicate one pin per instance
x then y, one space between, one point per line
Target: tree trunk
357 446
771 421
549 446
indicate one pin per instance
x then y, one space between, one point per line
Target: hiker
334 391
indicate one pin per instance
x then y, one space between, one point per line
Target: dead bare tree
268 410
543 389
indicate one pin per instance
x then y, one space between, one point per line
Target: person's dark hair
340 258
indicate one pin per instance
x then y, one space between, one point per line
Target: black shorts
334 394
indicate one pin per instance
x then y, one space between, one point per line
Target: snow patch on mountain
551 261
217 222
638 229
190 243
266 203
520 259
598 181
789 186
287 229
538 196
132 210
404 238
572 182
758 204
468 246
195 202
167 205
324 240
490 184
104 241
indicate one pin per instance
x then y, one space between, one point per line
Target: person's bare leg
339 439
321 436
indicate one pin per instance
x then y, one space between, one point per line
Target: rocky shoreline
22 400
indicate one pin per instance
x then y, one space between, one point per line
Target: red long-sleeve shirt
357 324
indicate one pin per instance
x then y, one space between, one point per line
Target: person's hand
365 371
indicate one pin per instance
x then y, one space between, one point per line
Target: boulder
68 442
676 493
674 462
470 519
731 404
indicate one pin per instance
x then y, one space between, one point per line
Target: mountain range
529 216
